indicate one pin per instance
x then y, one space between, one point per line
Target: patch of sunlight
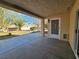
3 33
14 33
20 32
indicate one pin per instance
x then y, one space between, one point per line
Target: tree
18 22
4 22
32 28
9 17
1 16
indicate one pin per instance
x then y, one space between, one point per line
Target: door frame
49 27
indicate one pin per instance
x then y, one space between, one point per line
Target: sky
29 19
26 18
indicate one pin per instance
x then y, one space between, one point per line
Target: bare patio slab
34 46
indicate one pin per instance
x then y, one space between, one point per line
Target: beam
19 8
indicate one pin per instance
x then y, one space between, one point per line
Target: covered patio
62 38
35 46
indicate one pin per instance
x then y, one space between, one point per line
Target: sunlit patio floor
34 46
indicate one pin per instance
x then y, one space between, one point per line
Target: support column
42 27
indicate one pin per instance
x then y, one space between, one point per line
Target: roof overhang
38 8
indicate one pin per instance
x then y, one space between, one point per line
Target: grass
15 33
20 32
5 35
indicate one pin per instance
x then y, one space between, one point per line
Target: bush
32 28
10 34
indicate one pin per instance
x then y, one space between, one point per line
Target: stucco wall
72 23
64 24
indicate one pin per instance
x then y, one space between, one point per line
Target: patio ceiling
42 8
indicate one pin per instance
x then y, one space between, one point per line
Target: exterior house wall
64 24
73 24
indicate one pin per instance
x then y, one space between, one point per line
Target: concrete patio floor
34 46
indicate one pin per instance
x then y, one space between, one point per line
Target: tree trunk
19 28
